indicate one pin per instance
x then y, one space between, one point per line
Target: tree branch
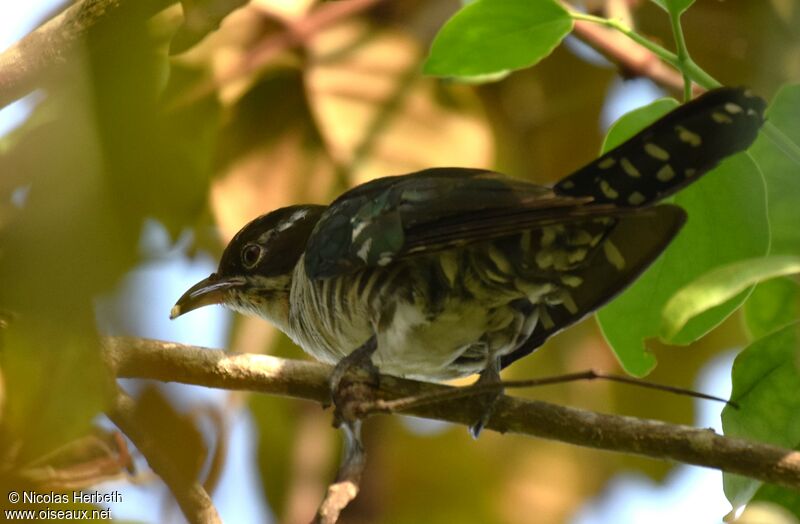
631 59
141 358
190 495
23 65
348 480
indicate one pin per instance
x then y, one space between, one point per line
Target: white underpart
413 346
407 318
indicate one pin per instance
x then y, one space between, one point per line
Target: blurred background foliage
157 137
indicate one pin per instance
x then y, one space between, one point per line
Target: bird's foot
353 383
488 377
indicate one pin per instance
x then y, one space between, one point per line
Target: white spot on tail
613 255
666 173
571 280
656 152
689 137
721 118
732 108
608 191
606 163
636 198
629 168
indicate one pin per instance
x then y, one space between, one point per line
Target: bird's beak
211 290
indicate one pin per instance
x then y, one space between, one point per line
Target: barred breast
445 315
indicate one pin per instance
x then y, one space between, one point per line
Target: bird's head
255 271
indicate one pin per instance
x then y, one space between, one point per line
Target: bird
449 271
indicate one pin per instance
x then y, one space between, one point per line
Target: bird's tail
672 152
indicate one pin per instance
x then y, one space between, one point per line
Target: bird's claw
490 375
353 383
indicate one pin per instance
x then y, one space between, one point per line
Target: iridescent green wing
390 218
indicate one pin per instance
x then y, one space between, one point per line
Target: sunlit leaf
374 129
719 285
727 222
490 36
269 162
766 380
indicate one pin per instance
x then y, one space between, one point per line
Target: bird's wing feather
639 238
395 217
391 218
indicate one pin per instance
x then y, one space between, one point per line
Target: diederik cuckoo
451 271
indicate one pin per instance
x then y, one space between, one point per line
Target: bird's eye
251 254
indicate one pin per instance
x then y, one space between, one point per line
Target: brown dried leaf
379 117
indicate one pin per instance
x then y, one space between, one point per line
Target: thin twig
141 358
479 388
631 58
683 54
688 67
190 495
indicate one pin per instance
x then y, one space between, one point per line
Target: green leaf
674 7
727 222
720 285
782 175
765 385
56 383
772 305
492 36
635 121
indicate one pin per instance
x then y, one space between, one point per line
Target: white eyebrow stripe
289 222
282 226
265 236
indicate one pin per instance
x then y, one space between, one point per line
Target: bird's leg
353 382
490 375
